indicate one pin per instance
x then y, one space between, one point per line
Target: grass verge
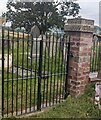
81 107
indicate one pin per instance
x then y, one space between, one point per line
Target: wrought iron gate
34 71
95 57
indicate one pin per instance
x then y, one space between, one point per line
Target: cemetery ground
23 89
81 107
24 81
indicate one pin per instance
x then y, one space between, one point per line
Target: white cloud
89 1
90 10
2 6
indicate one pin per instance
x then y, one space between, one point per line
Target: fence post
99 70
0 76
1 71
39 76
81 32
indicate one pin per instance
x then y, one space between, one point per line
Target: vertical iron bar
99 72
98 53
93 57
17 72
64 68
45 57
67 69
58 77
55 66
48 69
3 72
12 69
99 56
8 72
35 73
27 73
39 76
22 72
96 62
61 64
31 72
52 42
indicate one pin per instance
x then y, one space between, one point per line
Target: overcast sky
89 9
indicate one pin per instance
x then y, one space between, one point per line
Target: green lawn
81 107
25 92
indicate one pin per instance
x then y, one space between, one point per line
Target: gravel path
20 71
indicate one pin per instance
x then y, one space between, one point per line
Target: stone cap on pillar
79 25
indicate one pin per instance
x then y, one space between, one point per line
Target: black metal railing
95 53
34 71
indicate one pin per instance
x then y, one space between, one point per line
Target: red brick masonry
81 43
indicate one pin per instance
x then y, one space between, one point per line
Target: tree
43 14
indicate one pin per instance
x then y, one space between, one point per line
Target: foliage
43 14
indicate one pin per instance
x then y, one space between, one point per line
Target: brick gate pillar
81 35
